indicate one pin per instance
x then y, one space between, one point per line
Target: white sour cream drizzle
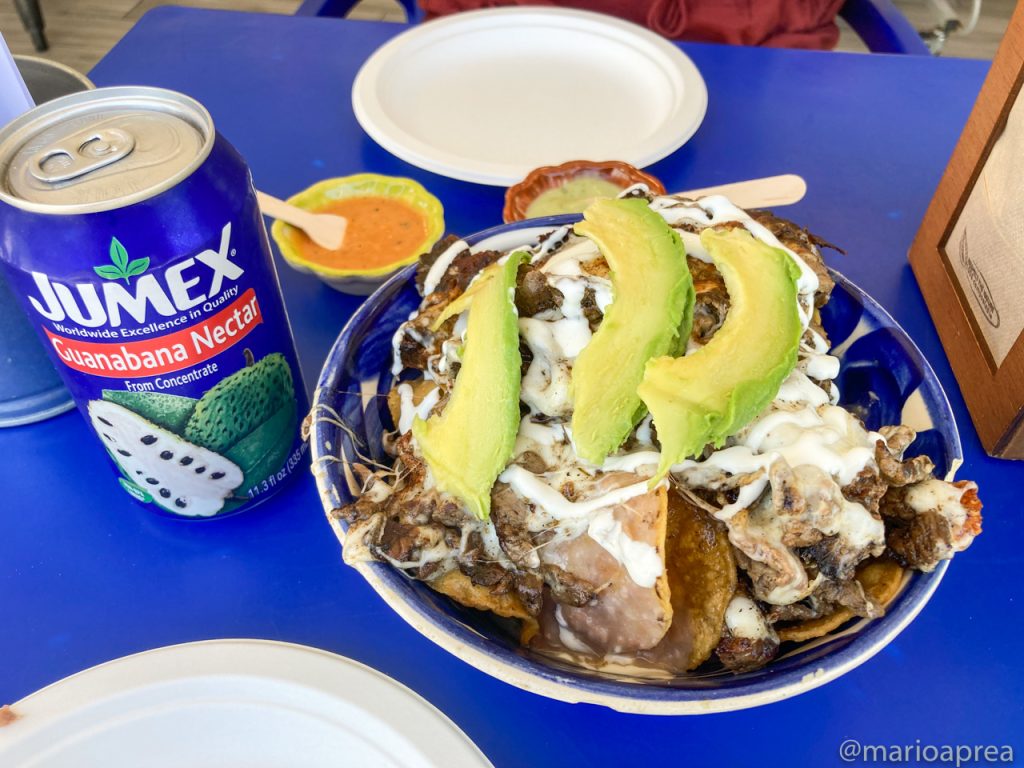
409 411
553 504
643 433
404 329
441 264
641 561
556 337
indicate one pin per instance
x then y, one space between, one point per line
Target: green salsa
572 197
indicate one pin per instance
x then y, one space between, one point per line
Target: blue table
87 576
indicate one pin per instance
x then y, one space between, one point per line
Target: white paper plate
231 703
487 96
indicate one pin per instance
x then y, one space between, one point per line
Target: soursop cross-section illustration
183 478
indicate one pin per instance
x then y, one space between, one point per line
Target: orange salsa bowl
391 221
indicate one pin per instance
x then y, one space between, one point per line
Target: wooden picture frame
968 255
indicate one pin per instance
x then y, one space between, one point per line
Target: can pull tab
82 154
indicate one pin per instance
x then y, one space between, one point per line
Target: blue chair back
341 8
882 27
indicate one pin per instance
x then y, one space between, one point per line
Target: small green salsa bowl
571 186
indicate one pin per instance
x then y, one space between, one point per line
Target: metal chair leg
32 19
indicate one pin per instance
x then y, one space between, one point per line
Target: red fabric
780 23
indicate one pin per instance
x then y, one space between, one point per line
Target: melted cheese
744 619
551 442
827 437
546 385
944 499
641 462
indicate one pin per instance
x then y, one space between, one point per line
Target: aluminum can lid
102 149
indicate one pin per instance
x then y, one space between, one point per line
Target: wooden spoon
328 230
324 229
758 193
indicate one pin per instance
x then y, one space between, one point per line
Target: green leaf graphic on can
122 268
118 254
138 266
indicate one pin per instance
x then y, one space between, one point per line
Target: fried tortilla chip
626 617
702 579
814 628
395 405
880 578
456 585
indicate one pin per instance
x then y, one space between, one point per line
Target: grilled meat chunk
533 292
530 589
867 489
748 640
415 341
898 472
460 273
805 245
566 588
509 513
743 654
427 259
712 300
828 596
931 521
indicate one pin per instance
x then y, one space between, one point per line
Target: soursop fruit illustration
168 411
249 417
181 477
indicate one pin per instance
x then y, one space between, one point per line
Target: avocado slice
468 444
714 392
650 315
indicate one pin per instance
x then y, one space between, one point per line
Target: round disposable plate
487 96
252 703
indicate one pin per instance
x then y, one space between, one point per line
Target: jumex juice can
130 232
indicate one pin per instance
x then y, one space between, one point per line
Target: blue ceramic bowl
884 379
